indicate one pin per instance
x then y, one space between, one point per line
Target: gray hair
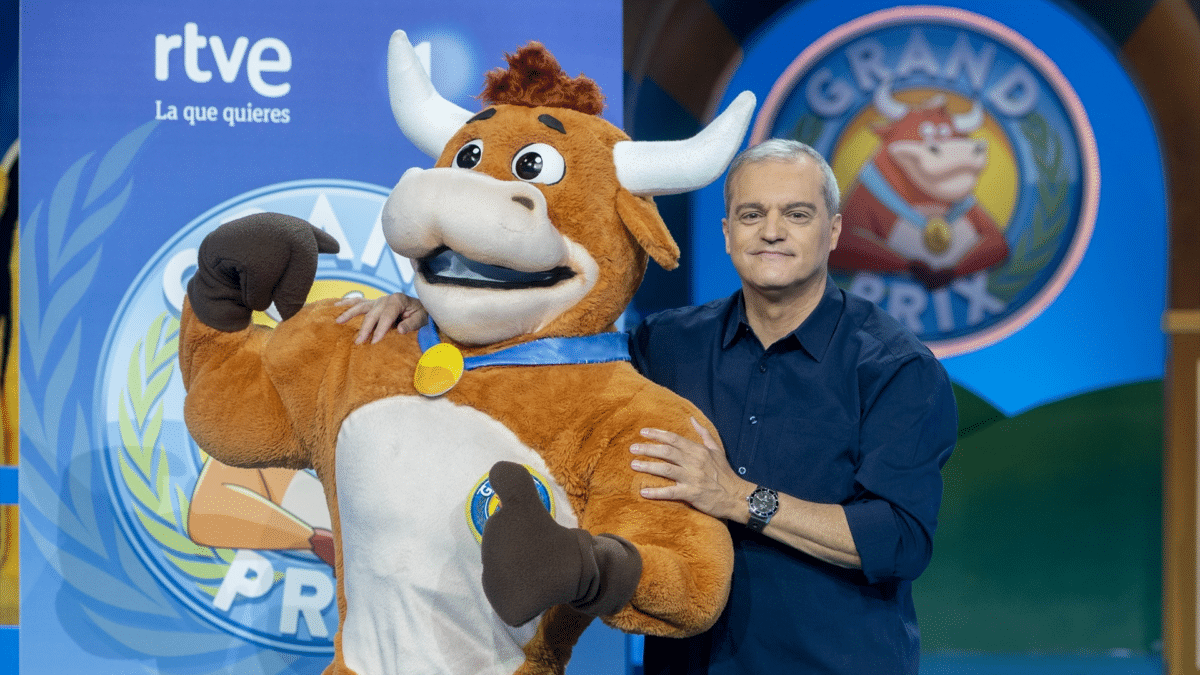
785 150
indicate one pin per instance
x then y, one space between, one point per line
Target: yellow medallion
937 235
438 370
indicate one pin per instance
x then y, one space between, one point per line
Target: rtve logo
228 63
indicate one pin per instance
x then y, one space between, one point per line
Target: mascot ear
642 220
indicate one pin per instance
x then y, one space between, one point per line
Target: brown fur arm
233 407
687 556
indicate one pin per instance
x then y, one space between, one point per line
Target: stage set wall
1067 535
1069 520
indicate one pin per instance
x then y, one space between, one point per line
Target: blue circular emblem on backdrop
968 168
247 550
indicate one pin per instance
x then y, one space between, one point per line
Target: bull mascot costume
514 407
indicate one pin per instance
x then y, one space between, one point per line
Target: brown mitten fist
247 263
531 563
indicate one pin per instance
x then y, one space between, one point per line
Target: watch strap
756 523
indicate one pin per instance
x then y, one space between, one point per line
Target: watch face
763 502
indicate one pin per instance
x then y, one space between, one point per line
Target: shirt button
753 419
741 470
762 367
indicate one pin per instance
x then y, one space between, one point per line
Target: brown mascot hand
247 263
531 563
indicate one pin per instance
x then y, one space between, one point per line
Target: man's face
777 232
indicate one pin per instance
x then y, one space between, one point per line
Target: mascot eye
469 155
927 130
539 163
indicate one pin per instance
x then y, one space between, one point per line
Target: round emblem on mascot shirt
968 169
484 501
247 550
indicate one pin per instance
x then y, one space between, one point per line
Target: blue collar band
870 177
553 351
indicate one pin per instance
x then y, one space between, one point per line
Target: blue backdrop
144 125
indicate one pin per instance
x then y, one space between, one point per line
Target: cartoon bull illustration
913 208
478 472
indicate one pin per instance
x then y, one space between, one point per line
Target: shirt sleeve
906 437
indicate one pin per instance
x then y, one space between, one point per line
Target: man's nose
772 228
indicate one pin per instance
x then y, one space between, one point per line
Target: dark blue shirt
850 409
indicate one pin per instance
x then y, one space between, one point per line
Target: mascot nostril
518 385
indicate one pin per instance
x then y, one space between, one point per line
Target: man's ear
642 220
835 231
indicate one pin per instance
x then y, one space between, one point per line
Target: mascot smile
477 473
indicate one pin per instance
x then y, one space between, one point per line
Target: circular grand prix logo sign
968 169
249 550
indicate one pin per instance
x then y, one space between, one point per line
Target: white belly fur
406 469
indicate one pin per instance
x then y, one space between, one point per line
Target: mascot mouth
445 266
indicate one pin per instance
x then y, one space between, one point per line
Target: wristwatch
763 502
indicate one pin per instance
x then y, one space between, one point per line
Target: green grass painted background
1049 537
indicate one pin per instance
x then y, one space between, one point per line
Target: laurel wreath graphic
1037 245
161 507
77 535
808 129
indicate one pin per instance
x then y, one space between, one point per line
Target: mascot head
537 219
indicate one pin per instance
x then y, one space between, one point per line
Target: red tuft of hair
534 79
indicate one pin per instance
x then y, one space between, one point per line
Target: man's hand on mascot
248 263
379 315
702 475
531 563
933 279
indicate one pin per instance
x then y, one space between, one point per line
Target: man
836 423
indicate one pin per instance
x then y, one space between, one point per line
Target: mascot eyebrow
548 120
553 123
483 115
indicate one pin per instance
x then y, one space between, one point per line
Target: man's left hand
702 475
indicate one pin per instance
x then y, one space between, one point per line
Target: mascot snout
488 220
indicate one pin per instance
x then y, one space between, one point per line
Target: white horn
427 119
886 105
424 52
970 120
670 167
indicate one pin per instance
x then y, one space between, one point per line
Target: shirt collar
813 334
